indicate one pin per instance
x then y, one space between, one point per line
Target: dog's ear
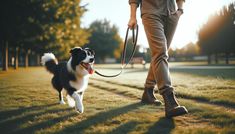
75 49
78 55
93 52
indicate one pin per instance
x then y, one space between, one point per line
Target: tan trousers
159 31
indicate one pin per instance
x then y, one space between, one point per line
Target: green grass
29 104
191 83
202 111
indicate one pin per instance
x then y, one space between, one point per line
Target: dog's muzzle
92 60
88 67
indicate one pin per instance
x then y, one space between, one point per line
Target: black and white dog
72 76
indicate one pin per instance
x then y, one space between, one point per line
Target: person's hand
178 13
132 23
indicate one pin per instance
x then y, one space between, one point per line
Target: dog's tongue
89 68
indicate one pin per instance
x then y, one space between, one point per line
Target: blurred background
30 28
202 66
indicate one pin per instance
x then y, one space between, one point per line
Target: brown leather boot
149 97
172 107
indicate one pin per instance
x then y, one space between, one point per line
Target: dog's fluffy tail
50 62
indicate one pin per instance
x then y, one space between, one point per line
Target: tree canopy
20 22
217 34
104 39
42 25
62 25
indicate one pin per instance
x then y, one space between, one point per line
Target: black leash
123 59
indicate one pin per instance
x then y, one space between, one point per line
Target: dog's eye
88 53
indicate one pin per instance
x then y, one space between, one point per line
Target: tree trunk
38 59
16 62
227 58
5 56
216 58
209 59
26 61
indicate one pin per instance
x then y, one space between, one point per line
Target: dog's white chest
80 84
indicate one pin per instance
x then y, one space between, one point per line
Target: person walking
160 18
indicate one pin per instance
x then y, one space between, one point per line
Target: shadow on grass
44 124
99 118
162 126
181 95
205 100
125 128
15 112
12 124
120 84
115 91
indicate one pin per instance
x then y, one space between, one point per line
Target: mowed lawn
29 104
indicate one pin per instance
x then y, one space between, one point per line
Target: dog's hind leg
61 98
56 84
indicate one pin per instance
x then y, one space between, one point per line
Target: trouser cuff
149 87
166 89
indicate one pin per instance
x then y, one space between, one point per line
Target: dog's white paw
71 101
62 102
79 109
78 103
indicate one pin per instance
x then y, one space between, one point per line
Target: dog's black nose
92 59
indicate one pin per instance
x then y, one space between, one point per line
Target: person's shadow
100 118
11 120
125 128
162 126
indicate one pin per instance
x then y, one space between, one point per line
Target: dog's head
84 57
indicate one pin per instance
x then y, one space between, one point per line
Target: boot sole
176 112
153 103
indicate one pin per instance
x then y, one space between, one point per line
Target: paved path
202 67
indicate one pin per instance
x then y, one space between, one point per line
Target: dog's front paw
78 103
79 106
62 102
79 109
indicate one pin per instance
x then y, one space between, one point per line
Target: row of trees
216 36
107 43
30 28
215 39
105 40
36 26
187 53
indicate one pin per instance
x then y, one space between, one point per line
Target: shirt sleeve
137 2
180 0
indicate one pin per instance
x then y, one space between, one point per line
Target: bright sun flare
196 14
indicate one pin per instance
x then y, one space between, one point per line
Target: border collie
72 76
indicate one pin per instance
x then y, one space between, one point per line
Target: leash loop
123 59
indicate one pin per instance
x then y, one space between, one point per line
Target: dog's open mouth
88 67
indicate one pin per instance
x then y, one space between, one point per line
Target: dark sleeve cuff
137 2
180 0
